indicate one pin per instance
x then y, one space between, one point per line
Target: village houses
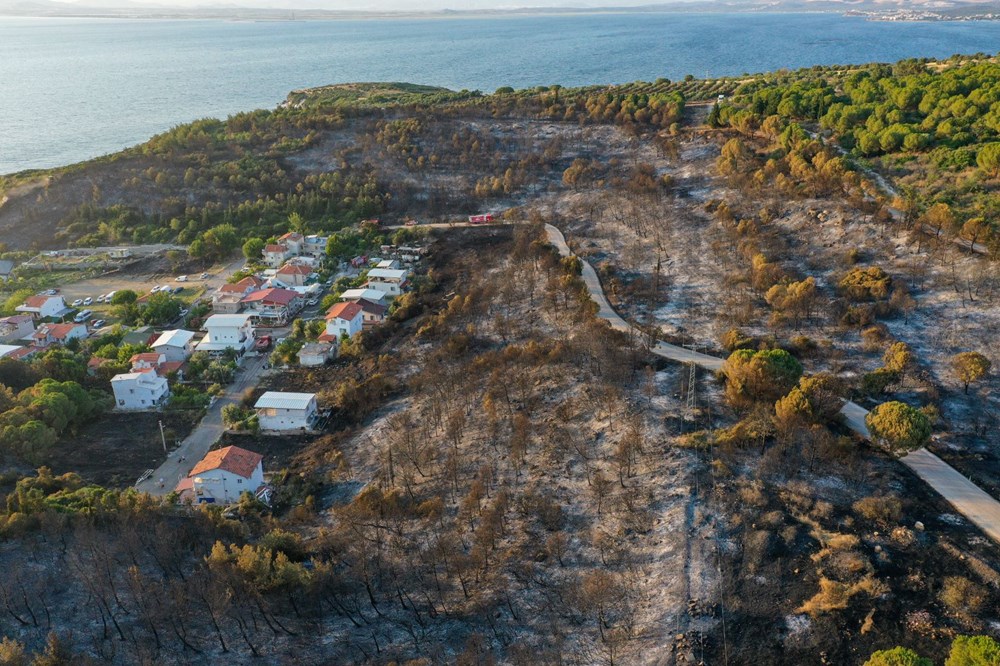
294 274
139 390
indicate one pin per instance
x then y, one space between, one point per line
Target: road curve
967 498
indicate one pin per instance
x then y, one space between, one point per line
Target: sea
74 89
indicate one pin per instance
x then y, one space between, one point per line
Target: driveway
182 460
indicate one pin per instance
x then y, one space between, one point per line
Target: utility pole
163 437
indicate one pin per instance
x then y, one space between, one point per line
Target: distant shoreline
249 14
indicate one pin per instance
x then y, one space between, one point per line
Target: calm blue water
71 89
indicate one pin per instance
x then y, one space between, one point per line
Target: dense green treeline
932 127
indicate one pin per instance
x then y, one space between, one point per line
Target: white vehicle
154 289
99 299
78 302
204 276
88 300
108 296
83 316
181 278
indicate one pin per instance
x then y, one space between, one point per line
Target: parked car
108 296
155 289
89 300
82 316
205 276
78 302
312 301
97 323
181 278
52 292
262 343
184 312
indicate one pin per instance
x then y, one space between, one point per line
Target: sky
381 5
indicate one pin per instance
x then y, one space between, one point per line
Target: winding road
967 498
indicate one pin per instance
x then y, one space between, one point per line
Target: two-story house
41 306
227 331
227 298
344 318
59 334
390 281
277 410
223 475
16 327
294 274
275 254
175 345
139 390
272 306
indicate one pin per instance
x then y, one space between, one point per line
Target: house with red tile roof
344 318
272 306
41 306
275 254
226 299
60 334
147 361
223 475
294 275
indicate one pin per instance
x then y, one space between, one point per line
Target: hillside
501 477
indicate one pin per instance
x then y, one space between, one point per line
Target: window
239 480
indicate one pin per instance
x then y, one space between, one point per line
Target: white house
42 306
275 254
176 345
316 353
227 331
61 334
389 281
344 318
391 264
223 475
139 390
17 327
314 246
373 295
286 411
293 240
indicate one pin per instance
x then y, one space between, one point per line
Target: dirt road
967 498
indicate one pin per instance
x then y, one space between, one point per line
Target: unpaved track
967 498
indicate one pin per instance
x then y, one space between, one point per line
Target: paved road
196 445
967 498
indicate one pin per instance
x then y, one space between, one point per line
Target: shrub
764 375
866 284
898 656
881 510
962 596
973 651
